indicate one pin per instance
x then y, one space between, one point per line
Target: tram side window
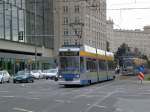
91 66
81 64
102 65
111 65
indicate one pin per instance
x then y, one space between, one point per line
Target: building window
66 42
66 21
76 31
77 20
65 9
77 9
66 32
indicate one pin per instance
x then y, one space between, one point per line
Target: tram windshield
69 64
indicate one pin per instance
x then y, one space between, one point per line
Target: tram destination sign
68 53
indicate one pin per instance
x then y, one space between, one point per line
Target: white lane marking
29 98
62 101
22 110
35 98
7 96
119 110
100 106
96 103
96 88
3 91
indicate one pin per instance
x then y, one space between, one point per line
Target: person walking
117 72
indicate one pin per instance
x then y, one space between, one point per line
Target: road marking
7 96
35 98
91 90
119 110
96 103
62 101
22 110
3 91
99 106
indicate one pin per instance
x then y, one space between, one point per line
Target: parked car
52 74
37 74
23 76
4 76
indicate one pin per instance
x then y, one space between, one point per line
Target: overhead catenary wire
131 8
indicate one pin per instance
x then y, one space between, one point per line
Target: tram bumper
75 82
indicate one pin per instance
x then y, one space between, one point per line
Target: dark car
23 76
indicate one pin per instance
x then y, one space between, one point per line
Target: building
26 34
81 22
109 29
40 23
134 38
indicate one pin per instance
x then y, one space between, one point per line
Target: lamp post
35 33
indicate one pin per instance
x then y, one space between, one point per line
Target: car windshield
52 71
1 73
23 73
44 71
35 71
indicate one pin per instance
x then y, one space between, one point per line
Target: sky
129 18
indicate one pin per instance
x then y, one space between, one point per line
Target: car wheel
28 80
2 81
56 79
14 81
8 81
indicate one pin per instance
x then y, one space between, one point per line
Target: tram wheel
89 82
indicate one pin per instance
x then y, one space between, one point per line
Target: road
124 95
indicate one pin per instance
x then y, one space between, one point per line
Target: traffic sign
141 76
141 68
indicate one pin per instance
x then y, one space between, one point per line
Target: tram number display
69 53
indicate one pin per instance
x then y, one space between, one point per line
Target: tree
123 51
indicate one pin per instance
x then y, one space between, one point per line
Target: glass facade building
12 19
39 21
26 22
33 19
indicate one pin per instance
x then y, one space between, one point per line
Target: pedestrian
117 72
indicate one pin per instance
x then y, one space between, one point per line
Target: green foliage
147 77
125 51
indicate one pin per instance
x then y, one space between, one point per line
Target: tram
84 65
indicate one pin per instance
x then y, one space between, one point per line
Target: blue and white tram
84 66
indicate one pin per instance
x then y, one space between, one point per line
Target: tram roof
87 48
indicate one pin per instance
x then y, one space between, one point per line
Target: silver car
52 74
4 76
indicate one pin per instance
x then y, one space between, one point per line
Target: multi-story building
109 29
134 38
81 22
26 33
40 22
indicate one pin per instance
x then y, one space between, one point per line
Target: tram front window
69 64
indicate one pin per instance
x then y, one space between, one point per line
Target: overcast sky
129 19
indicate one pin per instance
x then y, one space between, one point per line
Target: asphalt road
125 95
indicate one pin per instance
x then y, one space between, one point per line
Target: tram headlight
78 76
60 76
